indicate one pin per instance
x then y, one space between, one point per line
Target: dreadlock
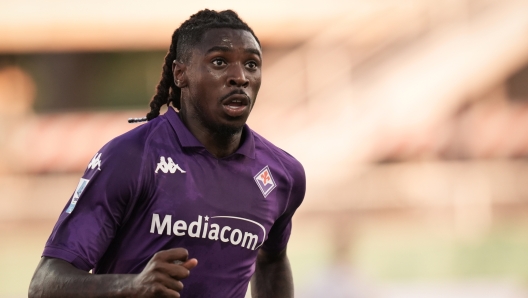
183 40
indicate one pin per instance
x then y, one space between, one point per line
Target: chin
228 129
232 124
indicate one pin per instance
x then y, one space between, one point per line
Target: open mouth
236 105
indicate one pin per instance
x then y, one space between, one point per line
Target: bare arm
273 276
160 278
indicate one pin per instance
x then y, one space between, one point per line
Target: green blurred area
93 81
392 252
419 255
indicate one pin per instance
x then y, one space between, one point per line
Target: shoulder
289 163
291 179
131 146
137 139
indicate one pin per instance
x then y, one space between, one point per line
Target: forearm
272 277
58 278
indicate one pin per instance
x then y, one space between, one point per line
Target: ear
178 72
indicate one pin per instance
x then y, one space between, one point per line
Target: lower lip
235 111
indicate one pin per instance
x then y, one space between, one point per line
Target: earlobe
178 72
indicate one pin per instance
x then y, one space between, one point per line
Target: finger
173 270
172 254
172 284
190 264
172 293
161 290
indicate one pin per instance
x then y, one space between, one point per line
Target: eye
252 65
218 62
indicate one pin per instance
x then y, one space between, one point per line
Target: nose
237 76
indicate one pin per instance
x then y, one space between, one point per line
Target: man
197 182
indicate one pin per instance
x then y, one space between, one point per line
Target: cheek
256 85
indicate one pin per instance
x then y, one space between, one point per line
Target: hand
162 274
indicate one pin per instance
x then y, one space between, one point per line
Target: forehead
226 37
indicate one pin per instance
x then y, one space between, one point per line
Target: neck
218 142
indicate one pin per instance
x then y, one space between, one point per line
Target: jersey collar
187 139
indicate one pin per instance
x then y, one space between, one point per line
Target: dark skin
219 84
161 277
273 276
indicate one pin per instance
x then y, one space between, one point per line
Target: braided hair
183 40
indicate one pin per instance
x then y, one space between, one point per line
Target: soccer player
193 197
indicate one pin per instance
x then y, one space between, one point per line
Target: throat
224 143
219 140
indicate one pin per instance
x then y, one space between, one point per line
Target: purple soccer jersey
157 187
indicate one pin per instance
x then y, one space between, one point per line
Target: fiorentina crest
265 181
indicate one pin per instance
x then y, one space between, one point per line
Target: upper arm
53 267
99 205
268 257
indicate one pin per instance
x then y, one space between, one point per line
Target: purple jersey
157 187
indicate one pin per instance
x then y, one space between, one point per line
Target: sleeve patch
77 194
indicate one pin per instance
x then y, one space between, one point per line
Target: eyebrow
228 49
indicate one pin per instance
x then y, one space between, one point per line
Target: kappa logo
168 167
265 181
95 162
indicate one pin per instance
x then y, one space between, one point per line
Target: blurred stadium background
410 117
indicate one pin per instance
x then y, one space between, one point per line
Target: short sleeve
99 205
280 231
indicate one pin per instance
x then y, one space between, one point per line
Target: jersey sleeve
280 231
100 204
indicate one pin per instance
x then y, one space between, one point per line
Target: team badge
265 181
77 194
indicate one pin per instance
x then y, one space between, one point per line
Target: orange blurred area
410 118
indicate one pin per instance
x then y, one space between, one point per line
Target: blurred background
410 117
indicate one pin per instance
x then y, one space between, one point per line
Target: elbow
36 286
51 277
35 289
